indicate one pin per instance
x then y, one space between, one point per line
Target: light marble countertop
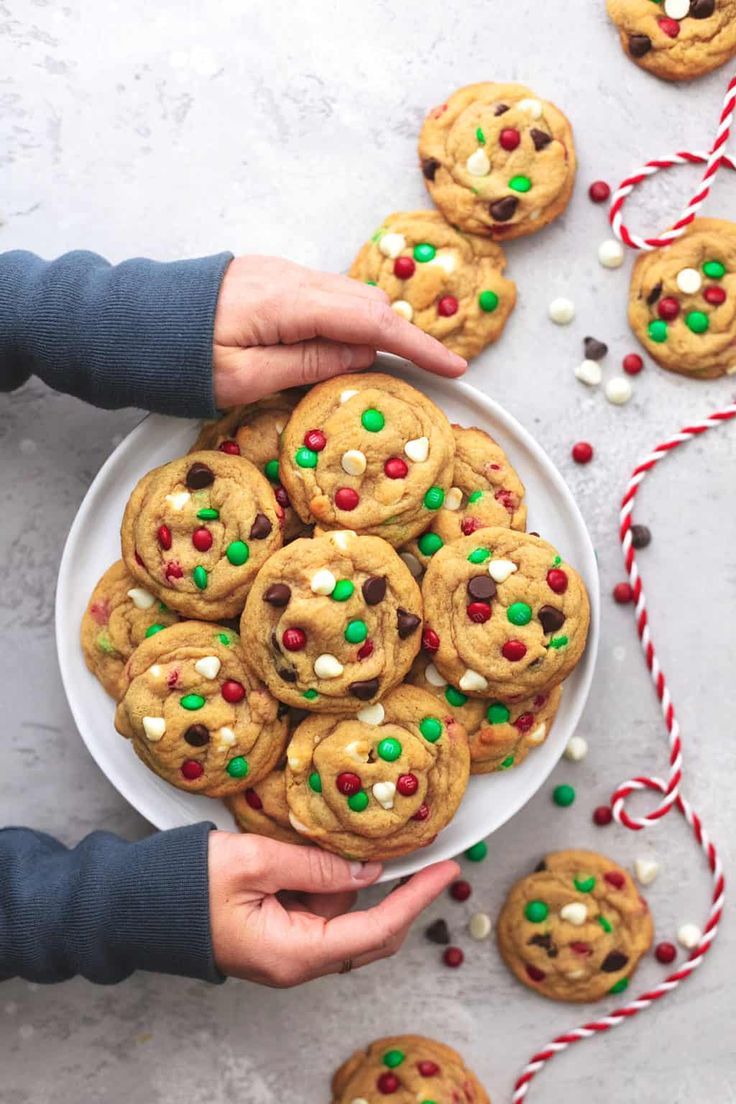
173 129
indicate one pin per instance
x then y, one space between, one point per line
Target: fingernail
364 872
347 356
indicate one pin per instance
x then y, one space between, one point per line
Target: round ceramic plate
93 544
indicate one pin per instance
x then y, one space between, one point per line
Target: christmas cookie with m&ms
262 808
196 531
676 39
575 929
332 623
682 301
497 160
448 283
119 615
194 715
409 1069
380 783
370 453
505 616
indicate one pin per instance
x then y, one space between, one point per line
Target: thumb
242 375
270 866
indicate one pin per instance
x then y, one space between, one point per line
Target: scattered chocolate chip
438 932
278 594
287 674
481 588
594 349
199 476
374 589
365 689
615 960
654 294
503 209
500 109
551 619
197 735
641 536
532 534
541 865
540 138
407 623
546 942
260 528
639 45
430 166
702 9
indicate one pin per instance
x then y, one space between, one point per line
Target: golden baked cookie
448 283
575 929
411 1070
500 736
676 39
370 453
497 160
485 492
262 808
195 716
379 784
682 301
119 615
196 531
508 616
333 622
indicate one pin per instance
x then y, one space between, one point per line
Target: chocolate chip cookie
497 160
262 808
447 283
575 929
409 1069
676 39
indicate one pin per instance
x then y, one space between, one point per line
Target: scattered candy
599 191
594 349
582 452
623 593
460 890
665 953
602 815
563 795
561 311
641 536
632 364
438 932
618 390
589 372
453 957
611 253
646 871
688 936
479 926
477 852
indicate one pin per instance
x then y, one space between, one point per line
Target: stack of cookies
329 613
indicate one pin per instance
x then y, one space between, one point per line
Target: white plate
93 544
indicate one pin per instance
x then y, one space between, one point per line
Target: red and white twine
668 790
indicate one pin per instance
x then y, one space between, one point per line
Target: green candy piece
498 713
237 767
478 852
372 420
163 608
508 762
475 496
310 695
714 269
237 553
455 697
208 514
605 924
520 183
271 468
697 321
434 498
424 252
584 885
372 283
225 639
620 985
557 560
199 575
563 795
315 782
480 137
358 802
389 749
558 642
429 543
393 1058
657 330
343 590
356 632
519 613
536 912
431 729
105 644
306 457
191 701
479 555
488 300
153 629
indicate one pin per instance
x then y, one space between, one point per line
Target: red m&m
447 306
509 138
407 784
714 295
346 498
513 650
232 691
348 783
202 539
479 612
557 580
315 440
404 267
396 468
192 770
230 448
294 639
163 534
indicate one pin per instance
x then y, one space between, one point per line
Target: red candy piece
524 722
404 267
513 650
447 306
387 1083
615 879
173 570
138 560
407 784
396 468
539 701
163 534
315 440
192 770
365 649
453 957
665 953
581 948
427 1068
506 498
460 890
534 973
282 497
202 539
294 639
670 27
346 498
582 452
253 800
232 691
100 612
232 448
509 138
557 580
599 191
172 678
632 364
430 640
714 295
668 308
479 612
422 812
469 525
602 815
623 593
348 783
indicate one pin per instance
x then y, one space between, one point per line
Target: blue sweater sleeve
134 334
106 907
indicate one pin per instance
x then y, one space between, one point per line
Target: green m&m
488 300
507 762
477 852
237 553
519 613
315 782
429 543
424 252
563 795
584 885
475 496
520 183
208 514
605 924
389 749
697 321
431 729
356 632
393 1058
480 136
434 498
479 555
657 330
153 629
191 701
310 694
714 269
498 713
358 802
306 457
536 912
342 591
199 575
372 420
272 471
620 985
455 697
237 767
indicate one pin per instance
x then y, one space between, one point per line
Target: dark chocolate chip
501 109
615 960
546 942
654 294
639 45
407 623
504 209
200 476
260 528
641 536
275 643
374 589
197 735
481 588
702 9
540 138
438 932
365 689
533 534
430 166
541 865
278 594
594 349
287 674
551 619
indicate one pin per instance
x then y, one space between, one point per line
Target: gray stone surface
178 129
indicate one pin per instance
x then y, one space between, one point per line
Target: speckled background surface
178 129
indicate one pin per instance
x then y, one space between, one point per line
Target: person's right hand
306 931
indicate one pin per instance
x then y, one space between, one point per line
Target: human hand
306 931
279 325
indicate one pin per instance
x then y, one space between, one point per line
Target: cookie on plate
262 808
485 492
500 736
575 929
379 784
508 617
196 531
195 716
682 301
333 622
119 615
447 283
410 1066
370 453
497 160
677 39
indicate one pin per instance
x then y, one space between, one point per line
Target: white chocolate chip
561 310
478 164
433 677
676 9
356 750
341 538
575 913
418 449
226 737
141 599
577 749
618 390
353 462
345 396
391 245
359 1100
178 500
294 762
589 372
403 308
532 107
154 728
499 570
537 736
297 825
208 667
453 499
155 671
445 261
322 582
479 926
328 666
689 935
689 281
412 563
472 680
384 793
279 427
646 871
611 253
372 714
575 975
